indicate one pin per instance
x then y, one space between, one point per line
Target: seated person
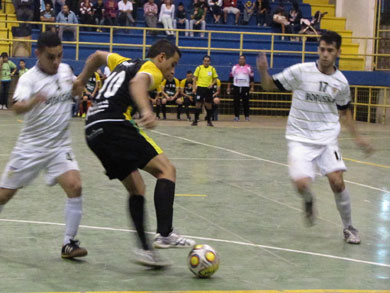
280 20
216 9
48 16
197 21
24 10
294 17
170 93
98 14
230 6
249 10
181 21
66 16
110 12
187 96
86 13
150 15
125 16
263 11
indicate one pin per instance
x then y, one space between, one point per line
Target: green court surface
233 193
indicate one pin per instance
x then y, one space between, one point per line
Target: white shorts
305 159
24 166
231 9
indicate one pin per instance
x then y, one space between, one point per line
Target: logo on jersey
320 98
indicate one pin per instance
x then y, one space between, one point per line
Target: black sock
136 209
164 195
188 112
179 107
209 113
164 111
197 111
158 109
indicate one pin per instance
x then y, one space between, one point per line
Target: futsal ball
203 261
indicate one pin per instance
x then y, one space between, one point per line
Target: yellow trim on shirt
114 59
154 72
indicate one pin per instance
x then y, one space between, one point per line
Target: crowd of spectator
171 16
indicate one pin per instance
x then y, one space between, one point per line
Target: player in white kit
43 95
321 95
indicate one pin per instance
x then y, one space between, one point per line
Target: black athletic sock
197 112
209 114
164 195
188 112
158 109
179 108
164 111
136 209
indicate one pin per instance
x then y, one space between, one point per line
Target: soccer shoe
236 119
351 235
72 249
310 213
209 123
172 240
194 123
150 258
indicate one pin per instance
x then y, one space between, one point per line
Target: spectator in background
98 14
66 16
230 6
294 17
48 16
242 78
181 20
125 16
22 68
216 9
203 5
167 15
150 15
263 11
24 10
249 10
110 12
280 20
86 13
198 21
8 69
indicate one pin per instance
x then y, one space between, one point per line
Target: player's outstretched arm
138 87
267 82
347 120
94 61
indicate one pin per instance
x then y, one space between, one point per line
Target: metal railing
211 37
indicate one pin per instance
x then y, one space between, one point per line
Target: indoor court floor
232 192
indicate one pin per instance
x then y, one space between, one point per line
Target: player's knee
5 195
337 185
74 188
301 186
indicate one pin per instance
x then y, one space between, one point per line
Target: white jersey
46 125
314 116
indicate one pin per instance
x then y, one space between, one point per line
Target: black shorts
121 147
204 94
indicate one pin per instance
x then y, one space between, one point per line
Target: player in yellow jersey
205 77
124 148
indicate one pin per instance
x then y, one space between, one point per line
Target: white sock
73 213
307 195
343 203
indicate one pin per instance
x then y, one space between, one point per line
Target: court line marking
257 158
188 194
211 159
366 163
216 240
242 291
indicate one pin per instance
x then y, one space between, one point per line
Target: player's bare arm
194 85
25 106
96 60
347 120
267 82
138 87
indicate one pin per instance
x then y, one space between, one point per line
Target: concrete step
331 9
333 23
351 63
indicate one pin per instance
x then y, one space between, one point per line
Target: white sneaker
2 107
150 258
172 240
351 235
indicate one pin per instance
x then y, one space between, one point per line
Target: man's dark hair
331 37
48 39
206 56
4 54
163 46
189 71
21 60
